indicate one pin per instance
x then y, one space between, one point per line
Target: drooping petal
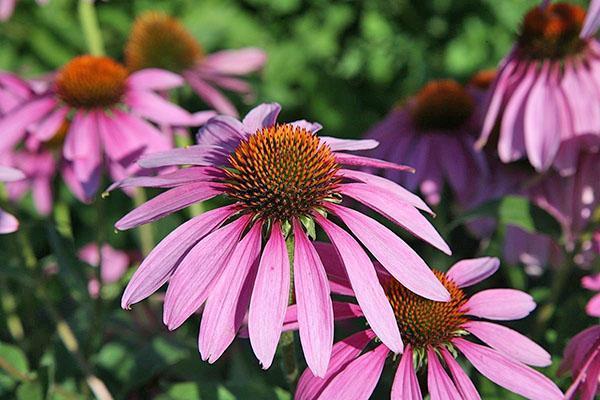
315 312
509 374
51 124
154 79
439 383
224 310
337 144
199 270
510 343
236 62
116 145
470 272
406 385
9 174
141 131
82 145
13 124
168 202
155 108
343 352
210 95
592 308
8 223
194 155
262 116
394 254
269 298
500 304
402 214
160 264
461 380
368 290
360 161
592 20
359 378
180 177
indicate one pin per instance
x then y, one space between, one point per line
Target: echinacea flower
545 95
434 333
8 223
435 133
158 40
278 182
113 264
108 112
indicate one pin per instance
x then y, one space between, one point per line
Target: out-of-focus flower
544 98
592 20
7 7
112 263
434 332
8 223
107 111
592 282
434 132
279 181
534 250
158 40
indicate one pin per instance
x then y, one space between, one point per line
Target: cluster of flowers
253 265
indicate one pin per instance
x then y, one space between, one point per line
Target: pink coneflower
278 181
158 40
544 96
434 332
8 223
113 264
434 132
108 112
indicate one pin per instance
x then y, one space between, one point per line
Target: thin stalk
90 27
286 342
145 231
9 306
559 283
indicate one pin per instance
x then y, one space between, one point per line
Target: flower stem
559 282
91 29
146 231
286 342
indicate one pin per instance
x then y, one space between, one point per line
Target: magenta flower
435 133
112 263
582 357
107 112
8 223
434 332
543 99
158 40
277 180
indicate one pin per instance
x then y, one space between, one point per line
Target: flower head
279 181
541 100
434 332
158 40
434 132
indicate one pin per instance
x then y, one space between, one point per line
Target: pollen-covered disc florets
552 32
442 105
158 40
425 322
282 172
91 82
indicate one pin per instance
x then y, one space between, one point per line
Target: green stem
91 29
559 283
286 342
13 322
146 231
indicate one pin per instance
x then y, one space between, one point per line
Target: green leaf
30 391
224 394
181 391
14 362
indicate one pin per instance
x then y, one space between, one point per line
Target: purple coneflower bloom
8 223
434 132
434 332
544 98
107 110
158 40
278 180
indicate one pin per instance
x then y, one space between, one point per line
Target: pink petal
9 174
509 374
439 383
590 282
470 272
198 272
224 132
360 161
394 254
236 62
343 352
179 177
378 183
51 124
315 312
194 155
82 145
313 127
575 84
262 116
359 378
210 95
368 290
42 195
224 310
154 79
13 124
141 131
406 385
592 308
500 304
114 264
592 20
117 145
269 298
336 144
202 117
461 380
155 108
402 214
341 311
167 203
510 343
8 223
160 264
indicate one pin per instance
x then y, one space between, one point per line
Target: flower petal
154 79
236 62
406 384
360 161
47 128
592 20
82 145
439 383
337 144
315 312
509 374
155 108
500 304
194 155
461 379
262 116
8 223
9 174
469 272
210 95
269 298
13 124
